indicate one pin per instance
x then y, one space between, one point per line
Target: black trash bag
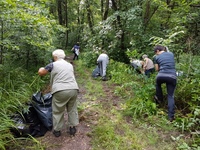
96 72
28 123
36 128
42 105
42 99
21 128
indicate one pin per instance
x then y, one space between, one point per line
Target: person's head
144 56
58 54
77 43
104 52
158 48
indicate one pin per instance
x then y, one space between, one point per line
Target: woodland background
31 30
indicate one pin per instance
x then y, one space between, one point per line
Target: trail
89 116
82 139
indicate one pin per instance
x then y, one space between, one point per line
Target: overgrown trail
88 119
81 141
95 105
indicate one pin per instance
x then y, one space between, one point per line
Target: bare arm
156 67
145 64
42 71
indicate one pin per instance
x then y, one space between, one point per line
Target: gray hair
59 53
144 56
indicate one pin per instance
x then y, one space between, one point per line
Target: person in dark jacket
76 51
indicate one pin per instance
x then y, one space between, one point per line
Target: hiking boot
56 133
72 130
171 119
104 78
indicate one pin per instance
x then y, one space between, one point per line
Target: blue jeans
170 82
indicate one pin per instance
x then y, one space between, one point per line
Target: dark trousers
75 56
148 72
171 85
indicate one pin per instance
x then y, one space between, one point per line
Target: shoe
57 133
72 130
171 119
104 78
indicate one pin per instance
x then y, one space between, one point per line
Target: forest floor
81 140
88 118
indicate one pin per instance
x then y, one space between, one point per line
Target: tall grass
16 90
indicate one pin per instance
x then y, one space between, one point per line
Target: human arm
145 62
156 67
42 71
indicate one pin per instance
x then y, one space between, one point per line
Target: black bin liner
21 128
37 120
28 123
42 105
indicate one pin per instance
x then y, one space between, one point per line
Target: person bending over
64 90
103 61
165 65
148 66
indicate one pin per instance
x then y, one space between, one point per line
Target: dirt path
82 139
88 118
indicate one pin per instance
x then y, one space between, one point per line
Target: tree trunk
102 9
1 46
79 24
66 22
89 16
148 13
117 6
105 15
59 9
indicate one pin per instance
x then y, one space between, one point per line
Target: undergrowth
16 89
146 125
138 92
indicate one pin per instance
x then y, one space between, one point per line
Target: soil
82 138
87 119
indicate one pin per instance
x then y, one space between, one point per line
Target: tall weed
16 90
138 91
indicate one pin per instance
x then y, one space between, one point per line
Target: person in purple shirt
76 51
165 65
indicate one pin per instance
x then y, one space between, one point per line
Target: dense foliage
30 30
138 92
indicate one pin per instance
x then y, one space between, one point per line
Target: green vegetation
30 30
136 123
